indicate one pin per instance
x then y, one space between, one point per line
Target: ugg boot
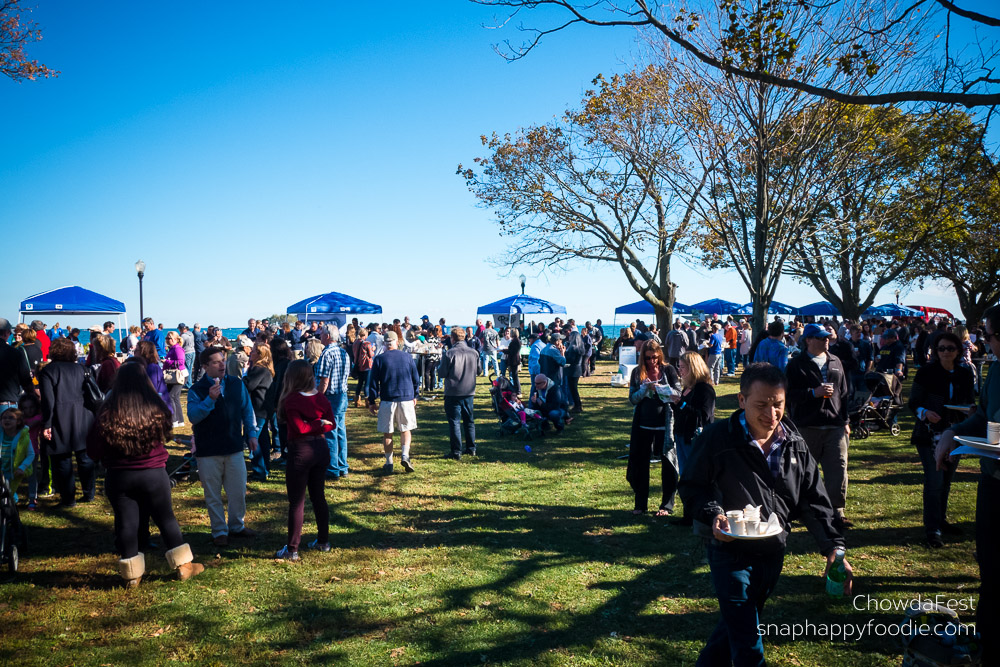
179 558
132 569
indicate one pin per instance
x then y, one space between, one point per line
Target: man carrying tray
987 496
753 458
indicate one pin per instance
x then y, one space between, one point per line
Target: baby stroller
12 535
504 398
878 409
189 464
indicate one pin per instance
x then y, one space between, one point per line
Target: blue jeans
189 365
458 409
730 360
488 359
742 583
336 440
683 446
260 461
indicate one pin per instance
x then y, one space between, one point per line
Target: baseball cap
556 336
391 336
815 331
244 341
182 326
424 317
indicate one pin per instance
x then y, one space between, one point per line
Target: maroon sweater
303 414
98 449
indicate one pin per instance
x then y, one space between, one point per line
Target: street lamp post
140 268
897 297
523 279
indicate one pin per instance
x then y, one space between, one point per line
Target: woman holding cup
941 382
652 386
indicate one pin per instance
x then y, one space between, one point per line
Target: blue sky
255 154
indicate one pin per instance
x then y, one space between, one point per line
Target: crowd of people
282 393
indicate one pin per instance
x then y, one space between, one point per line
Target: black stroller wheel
12 559
894 428
173 482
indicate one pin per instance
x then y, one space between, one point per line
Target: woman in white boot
128 436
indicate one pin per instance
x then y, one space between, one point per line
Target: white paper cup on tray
993 433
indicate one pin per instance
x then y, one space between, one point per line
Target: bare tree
590 187
16 33
901 189
864 37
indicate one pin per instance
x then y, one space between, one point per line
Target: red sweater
303 414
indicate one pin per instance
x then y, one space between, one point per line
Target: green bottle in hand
836 577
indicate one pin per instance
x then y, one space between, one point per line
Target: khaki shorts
398 414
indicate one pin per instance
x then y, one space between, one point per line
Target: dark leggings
175 402
574 392
362 385
646 445
65 482
307 463
136 496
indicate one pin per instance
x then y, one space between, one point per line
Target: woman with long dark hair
308 415
66 421
649 427
128 437
513 358
281 355
943 381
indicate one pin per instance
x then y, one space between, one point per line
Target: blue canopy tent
644 307
819 309
505 310
776 308
892 310
332 307
717 307
73 300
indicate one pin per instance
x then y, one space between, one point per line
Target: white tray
770 533
960 408
973 441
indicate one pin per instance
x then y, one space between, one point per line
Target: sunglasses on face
947 348
650 358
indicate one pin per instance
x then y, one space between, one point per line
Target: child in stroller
514 417
878 407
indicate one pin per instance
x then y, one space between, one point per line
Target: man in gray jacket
458 368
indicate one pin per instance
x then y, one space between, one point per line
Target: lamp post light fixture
523 279
140 269
897 297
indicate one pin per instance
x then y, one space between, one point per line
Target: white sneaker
178 424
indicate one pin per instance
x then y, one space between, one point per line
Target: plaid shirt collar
774 455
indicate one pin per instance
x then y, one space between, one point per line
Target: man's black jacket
804 408
727 472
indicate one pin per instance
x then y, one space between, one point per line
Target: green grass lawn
510 558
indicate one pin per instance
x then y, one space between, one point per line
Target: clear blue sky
254 154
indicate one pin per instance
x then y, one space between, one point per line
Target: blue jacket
773 352
393 377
